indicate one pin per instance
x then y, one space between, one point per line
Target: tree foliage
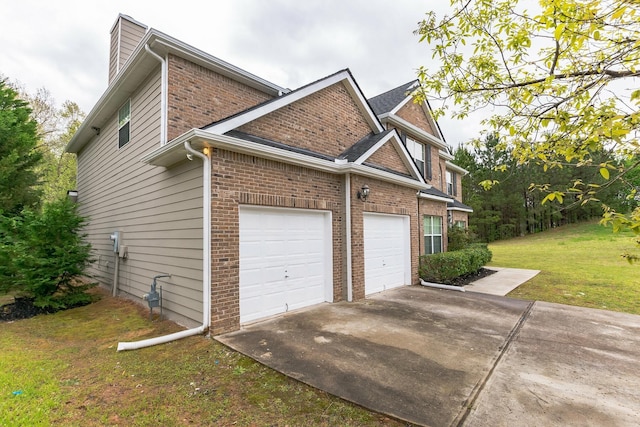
19 157
560 80
42 253
56 126
506 203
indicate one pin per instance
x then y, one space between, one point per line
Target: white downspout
206 262
163 95
347 210
441 286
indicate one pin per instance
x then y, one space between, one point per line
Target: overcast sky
63 45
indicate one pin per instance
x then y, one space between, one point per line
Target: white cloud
63 45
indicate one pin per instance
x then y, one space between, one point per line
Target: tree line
509 201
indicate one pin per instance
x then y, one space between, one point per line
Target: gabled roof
387 104
388 101
224 134
357 150
344 76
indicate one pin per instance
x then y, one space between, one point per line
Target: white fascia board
124 83
456 168
174 152
269 107
445 155
402 123
387 176
436 198
171 45
460 209
395 140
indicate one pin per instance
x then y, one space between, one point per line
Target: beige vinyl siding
130 36
125 37
113 54
157 210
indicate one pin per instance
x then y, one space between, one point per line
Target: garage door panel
285 260
387 252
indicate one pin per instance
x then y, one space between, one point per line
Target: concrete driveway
442 358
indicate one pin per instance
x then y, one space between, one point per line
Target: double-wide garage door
285 260
387 259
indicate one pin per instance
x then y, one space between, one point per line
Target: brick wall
384 198
414 114
326 122
198 96
461 216
388 157
239 179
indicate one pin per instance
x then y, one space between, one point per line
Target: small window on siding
432 234
124 124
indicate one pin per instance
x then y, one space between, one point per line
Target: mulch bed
21 308
471 277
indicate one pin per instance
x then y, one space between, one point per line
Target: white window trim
431 235
413 147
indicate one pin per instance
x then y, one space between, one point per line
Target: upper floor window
124 124
452 184
417 151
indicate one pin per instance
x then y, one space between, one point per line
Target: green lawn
580 264
63 369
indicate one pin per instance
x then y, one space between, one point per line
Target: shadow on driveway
440 358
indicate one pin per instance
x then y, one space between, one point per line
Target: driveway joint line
475 393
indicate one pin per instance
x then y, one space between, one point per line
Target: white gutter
163 94
169 153
434 197
347 209
456 168
206 263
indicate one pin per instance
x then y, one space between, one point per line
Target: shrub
446 266
457 238
43 254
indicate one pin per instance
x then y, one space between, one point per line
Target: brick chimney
126 33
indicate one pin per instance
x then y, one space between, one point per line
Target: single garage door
285 260
387 253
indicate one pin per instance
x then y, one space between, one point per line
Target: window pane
437 244
428 245
427 225
437 225
124 115
123 135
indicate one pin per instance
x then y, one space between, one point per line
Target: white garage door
387 253
285 260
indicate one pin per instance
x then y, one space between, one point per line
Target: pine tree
19 155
